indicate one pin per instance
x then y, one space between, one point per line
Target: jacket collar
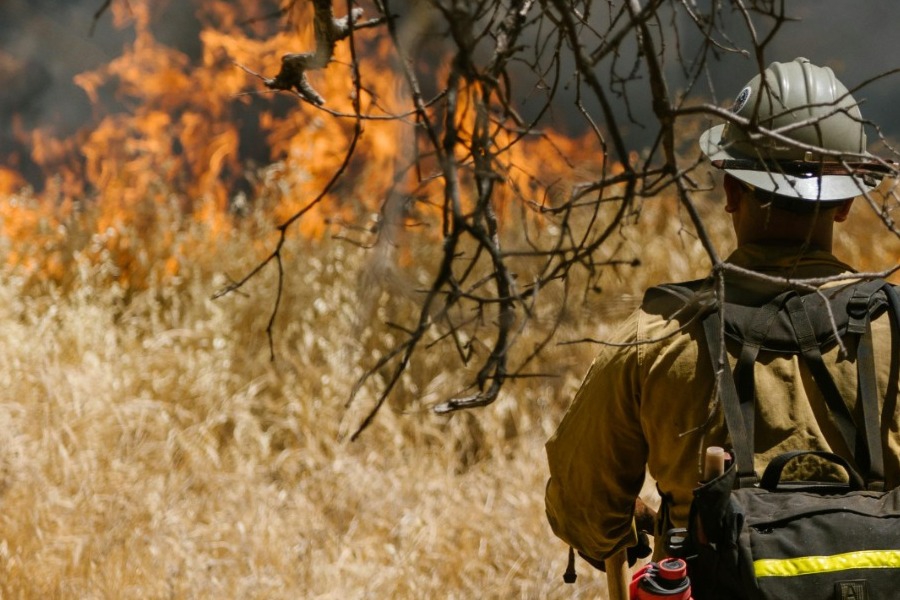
793 261
785 261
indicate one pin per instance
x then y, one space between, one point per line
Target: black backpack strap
859 304
731 402
694 299
809 349
867 386
893 387
867 393
744 380
859 314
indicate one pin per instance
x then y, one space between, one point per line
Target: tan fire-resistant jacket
648 401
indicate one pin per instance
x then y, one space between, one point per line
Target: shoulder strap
812 354
694 298
867 388
870 451
745 383
731 401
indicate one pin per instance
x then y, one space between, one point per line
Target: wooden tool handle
617 576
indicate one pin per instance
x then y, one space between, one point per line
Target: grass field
150 449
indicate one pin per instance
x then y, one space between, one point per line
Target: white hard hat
810 110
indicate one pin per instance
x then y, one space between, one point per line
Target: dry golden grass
149 449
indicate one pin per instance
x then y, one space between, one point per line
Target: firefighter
649 398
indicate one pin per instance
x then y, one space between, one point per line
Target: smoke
857 40
45 43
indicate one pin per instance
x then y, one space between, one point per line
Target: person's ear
733 192
843 211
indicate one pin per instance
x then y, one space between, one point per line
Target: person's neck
774 230
811 243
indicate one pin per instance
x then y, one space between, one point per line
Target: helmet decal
741 101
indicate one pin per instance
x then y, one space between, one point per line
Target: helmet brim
826 189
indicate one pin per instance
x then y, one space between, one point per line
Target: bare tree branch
621 66
329 31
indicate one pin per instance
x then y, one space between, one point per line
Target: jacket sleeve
598 454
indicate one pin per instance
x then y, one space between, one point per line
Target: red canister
666 579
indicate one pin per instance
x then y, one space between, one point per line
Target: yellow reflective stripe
807 565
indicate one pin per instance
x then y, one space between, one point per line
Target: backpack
767 538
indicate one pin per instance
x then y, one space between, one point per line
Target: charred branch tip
292 76
457 404
341 26
294 66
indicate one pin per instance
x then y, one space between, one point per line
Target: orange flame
168 156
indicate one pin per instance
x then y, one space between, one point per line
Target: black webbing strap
894 377
859 322
867 395
809 349
772 475
731 402
893 383
858 305
744 379
745 384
